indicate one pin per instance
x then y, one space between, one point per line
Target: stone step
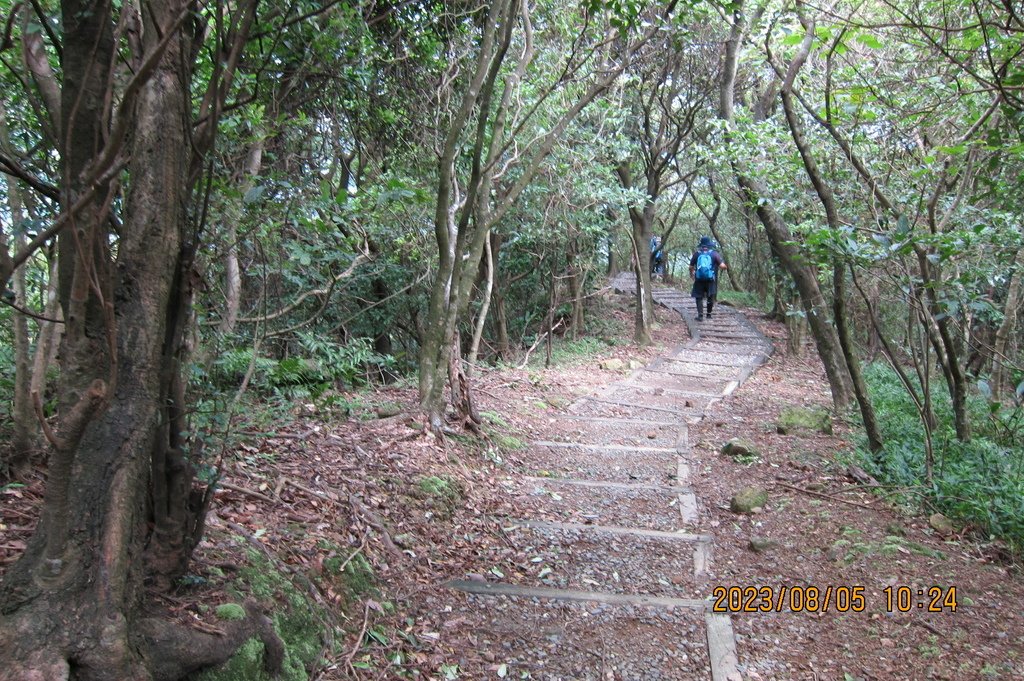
582 559
709 386
695 370
563 635
604 407
688 357
660 398
608 465
602 502
612 529
617 433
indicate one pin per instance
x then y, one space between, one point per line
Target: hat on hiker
705 242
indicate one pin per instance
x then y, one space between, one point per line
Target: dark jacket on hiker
706 288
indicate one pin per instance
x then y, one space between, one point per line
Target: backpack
705 267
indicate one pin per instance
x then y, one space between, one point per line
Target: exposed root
175 650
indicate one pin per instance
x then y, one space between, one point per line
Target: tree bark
22 414
71 606
640 236
780 238
1001 345
825 195
232 270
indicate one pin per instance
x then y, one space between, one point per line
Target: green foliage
443 494
297 620
318 364
979 483
230 611
741 298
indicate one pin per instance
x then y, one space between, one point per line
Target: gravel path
618 539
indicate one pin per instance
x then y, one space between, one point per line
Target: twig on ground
922 623
359 640
276 436
205 628
362 545
376 523
825 496
246 491
326 496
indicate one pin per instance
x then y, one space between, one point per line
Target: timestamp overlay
832 598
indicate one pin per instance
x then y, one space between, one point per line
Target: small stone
738 447
748 499
385 411
887 642
612 364
941 524
636 364
762 544
816 486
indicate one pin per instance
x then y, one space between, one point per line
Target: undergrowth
978 483
740 298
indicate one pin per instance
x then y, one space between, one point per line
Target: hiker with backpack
657 257
704 267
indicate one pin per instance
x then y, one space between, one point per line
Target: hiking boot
700 318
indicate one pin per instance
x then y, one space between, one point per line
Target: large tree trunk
72 604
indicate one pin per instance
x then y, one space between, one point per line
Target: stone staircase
617 537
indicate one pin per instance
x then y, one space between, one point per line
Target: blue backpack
705 266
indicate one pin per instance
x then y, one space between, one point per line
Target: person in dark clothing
705 265
657 257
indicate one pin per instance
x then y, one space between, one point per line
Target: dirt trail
618 526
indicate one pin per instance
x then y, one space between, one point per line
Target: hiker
704 267
657 257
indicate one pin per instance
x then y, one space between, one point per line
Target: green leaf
253 195
869 40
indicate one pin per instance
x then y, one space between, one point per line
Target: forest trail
620 525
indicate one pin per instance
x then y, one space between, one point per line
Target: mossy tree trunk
120 511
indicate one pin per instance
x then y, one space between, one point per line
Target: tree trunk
640 237
1001 346
23 415
827 198
796 325
860 388
72 604
501 284
49 335
232 270
937 324
781 240
574 278
478 330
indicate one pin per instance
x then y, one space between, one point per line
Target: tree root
175 650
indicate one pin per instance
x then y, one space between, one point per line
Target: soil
327 490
